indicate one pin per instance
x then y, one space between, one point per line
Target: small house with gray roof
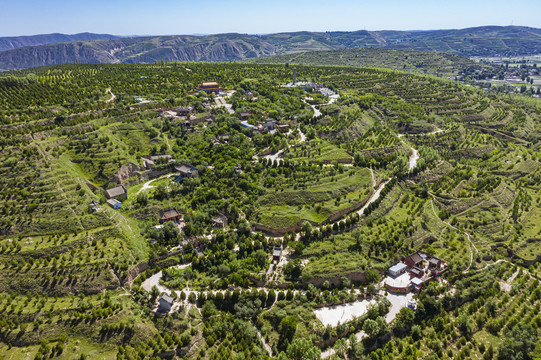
119 193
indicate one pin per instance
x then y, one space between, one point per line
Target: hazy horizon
169 17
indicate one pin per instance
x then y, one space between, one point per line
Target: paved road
332 99
374 197
220 102
147 185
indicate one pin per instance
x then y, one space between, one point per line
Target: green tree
288 326
154 293
518 343
370 327
209 309
416 332
171 233
306 229
341 347
373 276
303 349
142 199
403 321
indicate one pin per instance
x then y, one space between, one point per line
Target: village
224 210
398 287
403 279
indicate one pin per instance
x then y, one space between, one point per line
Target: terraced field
457 172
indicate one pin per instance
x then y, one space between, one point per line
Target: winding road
278 156
374 197
147 185
113 96
317 113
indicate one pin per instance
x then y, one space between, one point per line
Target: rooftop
247 125
116 191
415 257
167 298
398 267
185 168
113 202
220 218
170 213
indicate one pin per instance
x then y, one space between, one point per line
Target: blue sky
136 17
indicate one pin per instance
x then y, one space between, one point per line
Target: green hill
427 62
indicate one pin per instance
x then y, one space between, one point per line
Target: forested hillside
427 62
265 216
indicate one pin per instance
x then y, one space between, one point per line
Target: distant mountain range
14 42
96 48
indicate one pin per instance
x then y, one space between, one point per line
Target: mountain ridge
478 41
15 42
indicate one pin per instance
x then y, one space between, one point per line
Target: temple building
210 87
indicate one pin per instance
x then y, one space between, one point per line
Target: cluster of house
316 86
220 139
93 206
219 221
186 115
172 214
324 91
150 161
413 272
268 126
115 195
185 170
210 87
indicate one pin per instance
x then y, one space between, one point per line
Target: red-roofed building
170 214
414 260
210 87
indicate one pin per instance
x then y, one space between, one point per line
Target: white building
397 269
